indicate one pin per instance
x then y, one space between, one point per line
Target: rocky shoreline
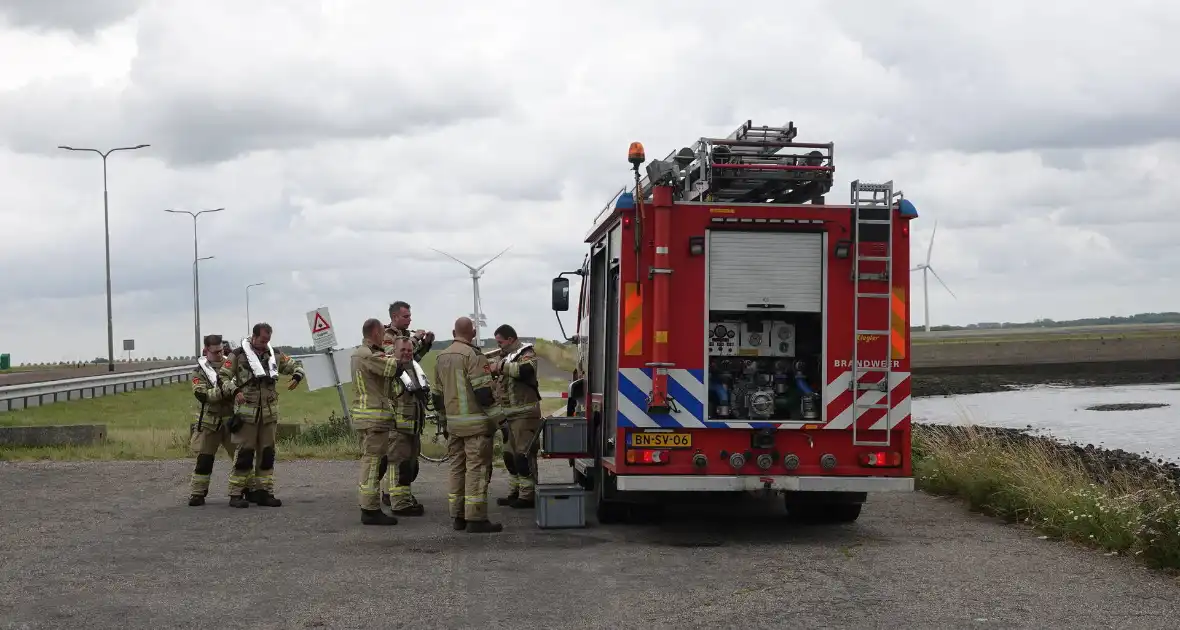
1101 463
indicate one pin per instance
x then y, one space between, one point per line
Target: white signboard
318 369
323 335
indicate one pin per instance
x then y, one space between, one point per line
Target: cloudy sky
345 138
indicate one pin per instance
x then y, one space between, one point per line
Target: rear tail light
647 456
881 459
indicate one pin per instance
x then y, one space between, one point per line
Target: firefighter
211 430
255 368
372 417
399 326
408 392
520 400
464 376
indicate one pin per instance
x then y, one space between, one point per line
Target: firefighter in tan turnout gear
408 394
255 368
399 327
519 398
372 417
464 376
211 430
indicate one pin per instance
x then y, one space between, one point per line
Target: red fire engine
737 333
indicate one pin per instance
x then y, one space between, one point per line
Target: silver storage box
560 505
564 435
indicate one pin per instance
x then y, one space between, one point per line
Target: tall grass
1053 488
565 357
154 424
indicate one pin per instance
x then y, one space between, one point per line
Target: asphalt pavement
114 545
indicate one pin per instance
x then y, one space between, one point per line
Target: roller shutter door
774 268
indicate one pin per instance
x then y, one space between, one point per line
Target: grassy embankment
1061 492
154 423
1031 335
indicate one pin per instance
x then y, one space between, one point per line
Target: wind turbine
925 267
477 315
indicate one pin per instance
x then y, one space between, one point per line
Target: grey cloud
83 17
1062 75
198 118
1060 130
202 128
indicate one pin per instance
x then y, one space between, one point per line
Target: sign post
128 346
323 337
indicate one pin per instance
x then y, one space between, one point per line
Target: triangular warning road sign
319 325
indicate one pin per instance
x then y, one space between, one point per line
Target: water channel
1064 412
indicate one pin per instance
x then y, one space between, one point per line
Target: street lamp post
106 221
196 277
250 330
197 302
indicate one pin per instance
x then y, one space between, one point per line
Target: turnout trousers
205 443
254 459
470 458
522 465
404 449
376 446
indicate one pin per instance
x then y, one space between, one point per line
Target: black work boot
483 527
459 523
238 501
520 504
264 498
376 517
196 499
413 510
508 500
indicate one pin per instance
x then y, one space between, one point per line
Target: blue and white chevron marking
687 388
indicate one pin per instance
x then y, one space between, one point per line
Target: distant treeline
1113 320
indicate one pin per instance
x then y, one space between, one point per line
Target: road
113 545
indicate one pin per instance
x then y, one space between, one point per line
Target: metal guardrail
26 395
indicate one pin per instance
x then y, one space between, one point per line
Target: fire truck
737 333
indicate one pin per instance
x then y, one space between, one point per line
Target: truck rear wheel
825 512
607 511
824 507
611 512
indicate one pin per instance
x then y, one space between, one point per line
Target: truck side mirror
561 294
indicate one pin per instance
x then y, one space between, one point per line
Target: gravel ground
112 544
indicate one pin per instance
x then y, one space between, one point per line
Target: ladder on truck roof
747 166
872 243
